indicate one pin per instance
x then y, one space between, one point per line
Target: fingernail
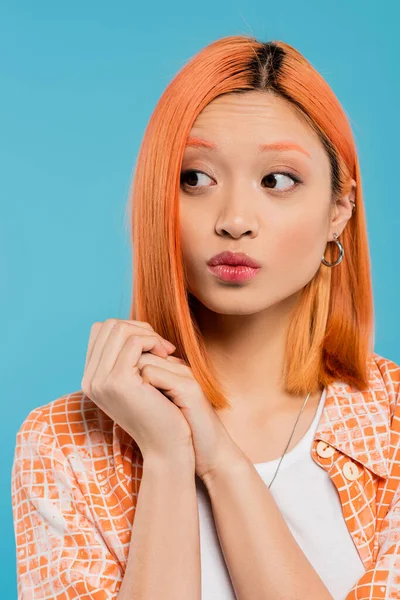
170 345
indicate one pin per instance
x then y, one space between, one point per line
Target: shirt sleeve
61 553
382 580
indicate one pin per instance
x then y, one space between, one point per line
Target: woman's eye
191 178
276 181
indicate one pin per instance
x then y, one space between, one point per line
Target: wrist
231 463
174 461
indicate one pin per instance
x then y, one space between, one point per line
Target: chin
234 305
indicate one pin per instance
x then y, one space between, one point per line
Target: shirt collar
357 423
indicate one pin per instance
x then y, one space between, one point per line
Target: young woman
237 436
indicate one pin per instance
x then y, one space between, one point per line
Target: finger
99 338
148 327
117 338
142 328
170 383
96 327
142 324
176 359
94 333
126 360
172 363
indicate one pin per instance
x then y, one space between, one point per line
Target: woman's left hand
213 446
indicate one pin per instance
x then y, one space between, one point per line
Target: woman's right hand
113 381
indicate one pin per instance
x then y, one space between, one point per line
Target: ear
343 211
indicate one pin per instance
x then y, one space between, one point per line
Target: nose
236 220
237 214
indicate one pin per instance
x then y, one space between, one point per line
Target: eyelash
296 179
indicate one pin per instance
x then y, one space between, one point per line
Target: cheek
301 245
191 240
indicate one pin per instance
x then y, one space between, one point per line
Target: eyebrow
196 142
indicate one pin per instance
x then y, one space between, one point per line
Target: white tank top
312 512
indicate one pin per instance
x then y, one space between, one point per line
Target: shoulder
72 410
384 375
388 370
69 423
384 407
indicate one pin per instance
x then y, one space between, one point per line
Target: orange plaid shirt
76 477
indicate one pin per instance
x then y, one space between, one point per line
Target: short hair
330 335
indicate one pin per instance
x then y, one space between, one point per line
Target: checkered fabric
76 477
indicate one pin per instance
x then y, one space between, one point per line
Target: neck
248 353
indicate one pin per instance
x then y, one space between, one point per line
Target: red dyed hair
330 334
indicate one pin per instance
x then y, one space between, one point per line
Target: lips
233 259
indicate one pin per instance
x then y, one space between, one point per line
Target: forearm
262 557
164 554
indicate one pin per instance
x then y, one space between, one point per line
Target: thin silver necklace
290 439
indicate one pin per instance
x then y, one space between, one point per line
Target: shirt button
325 450
350 470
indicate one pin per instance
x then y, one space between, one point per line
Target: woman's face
264 189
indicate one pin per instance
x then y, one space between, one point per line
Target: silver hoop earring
341 249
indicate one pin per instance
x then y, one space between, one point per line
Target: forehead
254 117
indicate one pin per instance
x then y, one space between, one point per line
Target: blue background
79 81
